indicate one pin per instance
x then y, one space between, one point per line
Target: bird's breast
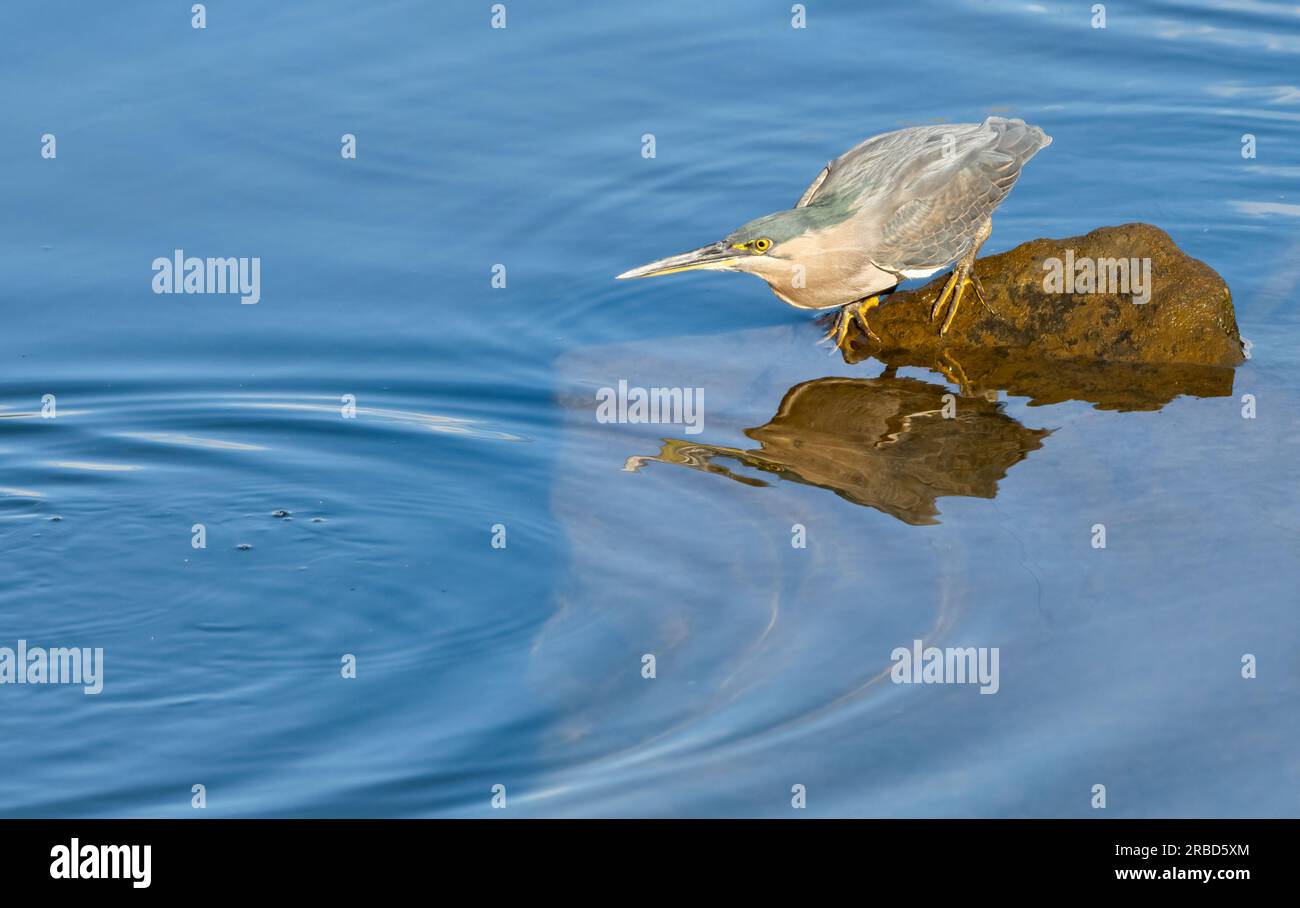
821 284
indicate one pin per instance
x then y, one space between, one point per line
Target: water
521 665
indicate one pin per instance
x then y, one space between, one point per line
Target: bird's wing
813 187
841 174
945 183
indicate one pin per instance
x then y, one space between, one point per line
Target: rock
1188 319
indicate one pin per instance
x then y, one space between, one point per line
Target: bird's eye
762 245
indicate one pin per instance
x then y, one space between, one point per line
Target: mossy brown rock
1188 319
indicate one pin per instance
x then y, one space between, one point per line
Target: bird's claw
943 296
979 293
860 316
848 315
962 276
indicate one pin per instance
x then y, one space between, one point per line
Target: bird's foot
839 329
979 293
847 316
860 311
963 275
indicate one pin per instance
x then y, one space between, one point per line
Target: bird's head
765 246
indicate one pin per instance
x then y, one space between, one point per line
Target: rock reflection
889 443
1105 385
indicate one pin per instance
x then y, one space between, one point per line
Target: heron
900 205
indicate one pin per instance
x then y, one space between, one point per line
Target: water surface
476 407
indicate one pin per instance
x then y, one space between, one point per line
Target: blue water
475 407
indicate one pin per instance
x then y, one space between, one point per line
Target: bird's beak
717 256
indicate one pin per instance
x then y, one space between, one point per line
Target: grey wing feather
813 187
941 202
924 193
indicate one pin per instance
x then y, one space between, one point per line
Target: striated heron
901 205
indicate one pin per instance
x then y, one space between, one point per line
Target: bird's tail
1017 138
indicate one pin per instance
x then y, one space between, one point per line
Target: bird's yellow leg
963 273
948 288
956 301
839 328
963 276
846 316
860 311
979 293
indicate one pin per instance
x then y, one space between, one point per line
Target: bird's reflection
889 443
899 444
